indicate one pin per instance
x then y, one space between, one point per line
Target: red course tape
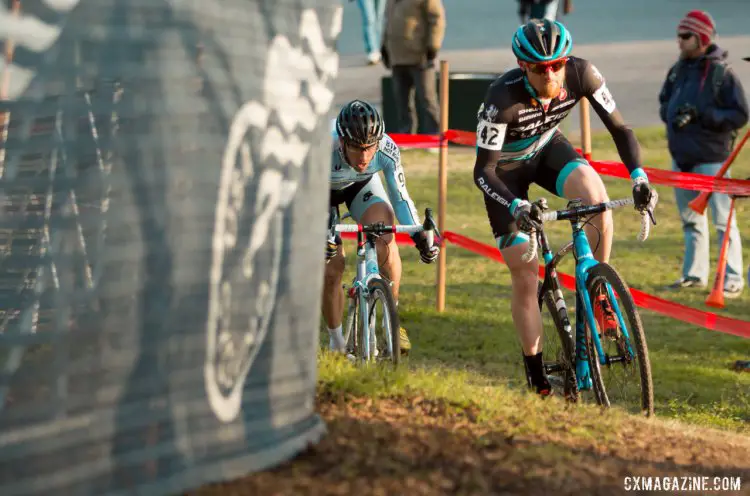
682 180
707 320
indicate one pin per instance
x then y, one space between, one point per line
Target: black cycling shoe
545 389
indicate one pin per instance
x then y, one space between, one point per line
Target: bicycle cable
388 248
588 221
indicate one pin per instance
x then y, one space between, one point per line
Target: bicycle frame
367 269
367 264
584 262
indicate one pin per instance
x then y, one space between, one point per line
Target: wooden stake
442 183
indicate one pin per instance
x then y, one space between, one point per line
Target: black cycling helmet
360 123
542 41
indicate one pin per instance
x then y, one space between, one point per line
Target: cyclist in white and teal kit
361 150
518 144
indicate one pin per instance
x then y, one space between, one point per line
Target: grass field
470 352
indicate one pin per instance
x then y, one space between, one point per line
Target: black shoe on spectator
687 282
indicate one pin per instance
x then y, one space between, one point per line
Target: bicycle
622 349
369 290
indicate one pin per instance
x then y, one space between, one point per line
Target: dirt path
417 446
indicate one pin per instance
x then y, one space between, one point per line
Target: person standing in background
703 105
539 9
372 27
412 37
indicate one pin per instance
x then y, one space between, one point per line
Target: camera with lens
685 115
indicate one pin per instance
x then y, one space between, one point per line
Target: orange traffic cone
716 296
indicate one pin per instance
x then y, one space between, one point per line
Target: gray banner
163 177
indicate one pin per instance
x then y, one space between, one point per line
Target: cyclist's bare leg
388 256
585 183
523 303
333 292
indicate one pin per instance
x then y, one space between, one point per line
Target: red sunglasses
543 67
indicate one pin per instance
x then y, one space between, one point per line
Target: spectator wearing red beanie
699 23
703 105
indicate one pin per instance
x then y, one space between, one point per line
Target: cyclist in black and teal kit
518 143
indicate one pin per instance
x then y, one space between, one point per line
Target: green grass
470 352
520 412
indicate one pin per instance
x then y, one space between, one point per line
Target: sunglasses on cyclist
685 36
542 68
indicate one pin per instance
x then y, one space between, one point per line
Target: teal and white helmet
540 41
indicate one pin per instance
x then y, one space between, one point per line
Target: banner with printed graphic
164 168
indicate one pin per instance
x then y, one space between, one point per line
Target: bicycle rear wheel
381 326
558 345
625 374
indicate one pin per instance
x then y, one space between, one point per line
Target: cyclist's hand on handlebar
428 253
528 216
332 248
644 197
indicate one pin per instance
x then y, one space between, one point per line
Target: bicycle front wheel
381 327
624 374
558 345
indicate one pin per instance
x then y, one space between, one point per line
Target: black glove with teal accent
528 216
644 196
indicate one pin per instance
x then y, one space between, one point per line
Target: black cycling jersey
514 125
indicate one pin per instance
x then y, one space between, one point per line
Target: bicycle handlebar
428 226
646 218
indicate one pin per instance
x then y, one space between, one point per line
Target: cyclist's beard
549 89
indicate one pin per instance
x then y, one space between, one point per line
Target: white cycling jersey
386 160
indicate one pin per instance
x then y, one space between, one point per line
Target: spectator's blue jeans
695 228
372 23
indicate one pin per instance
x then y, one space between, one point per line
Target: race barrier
677 311
158 331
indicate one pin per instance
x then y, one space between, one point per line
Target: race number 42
490 136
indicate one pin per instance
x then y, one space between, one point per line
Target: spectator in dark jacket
413 35
703 105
